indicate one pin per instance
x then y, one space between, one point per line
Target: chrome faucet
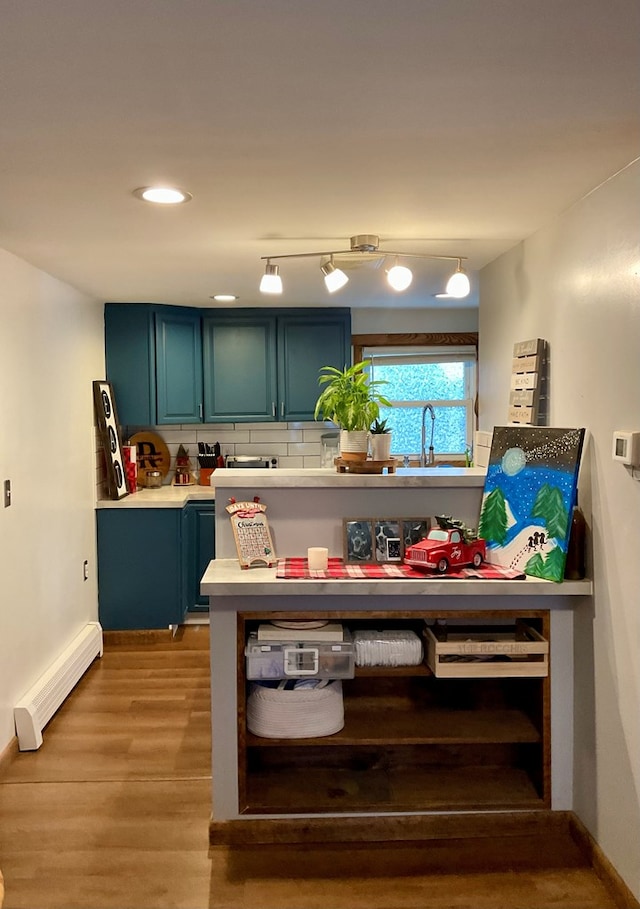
427 460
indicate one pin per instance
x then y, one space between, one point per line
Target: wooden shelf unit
410 742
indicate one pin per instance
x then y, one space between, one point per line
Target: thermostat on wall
626 447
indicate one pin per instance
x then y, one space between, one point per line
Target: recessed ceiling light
162 195
225 298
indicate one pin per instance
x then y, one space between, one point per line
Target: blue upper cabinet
154 362
240 367
178 340
262 366
307 342
171 364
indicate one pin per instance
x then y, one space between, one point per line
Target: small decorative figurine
449 545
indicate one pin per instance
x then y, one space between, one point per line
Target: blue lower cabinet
150 562
200 518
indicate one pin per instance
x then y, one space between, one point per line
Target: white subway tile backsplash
267 436
288 461
296 444
304 449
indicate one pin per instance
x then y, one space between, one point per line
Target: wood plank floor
112 813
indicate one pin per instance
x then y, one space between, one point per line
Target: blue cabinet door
154 362
140 568
240 368
178 345
200 550
130 356
307 341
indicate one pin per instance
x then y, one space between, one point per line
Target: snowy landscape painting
528 498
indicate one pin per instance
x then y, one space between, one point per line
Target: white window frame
442 351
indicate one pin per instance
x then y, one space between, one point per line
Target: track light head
399 277
334 278
458 284
271 282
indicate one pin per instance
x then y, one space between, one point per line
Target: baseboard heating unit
35 709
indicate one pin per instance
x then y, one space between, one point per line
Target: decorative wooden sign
109 429
527 398
251 533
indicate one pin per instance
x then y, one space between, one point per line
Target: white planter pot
354 444
381 446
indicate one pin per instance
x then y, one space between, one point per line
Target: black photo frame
109 430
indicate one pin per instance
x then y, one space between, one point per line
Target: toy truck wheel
477 559
443 565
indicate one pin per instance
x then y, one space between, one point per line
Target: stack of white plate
295 713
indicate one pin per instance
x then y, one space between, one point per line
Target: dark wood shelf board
433 789
364 726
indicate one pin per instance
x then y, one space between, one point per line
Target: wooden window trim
413 339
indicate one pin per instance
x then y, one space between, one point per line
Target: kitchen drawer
299 659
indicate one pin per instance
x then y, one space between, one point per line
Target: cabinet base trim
389 828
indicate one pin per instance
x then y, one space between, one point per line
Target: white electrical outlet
626 447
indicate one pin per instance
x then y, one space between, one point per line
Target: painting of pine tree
528 498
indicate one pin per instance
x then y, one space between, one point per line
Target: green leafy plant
349 399
379 427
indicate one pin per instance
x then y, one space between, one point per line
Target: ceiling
453 127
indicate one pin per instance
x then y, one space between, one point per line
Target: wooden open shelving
410 742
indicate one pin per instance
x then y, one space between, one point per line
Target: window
443 376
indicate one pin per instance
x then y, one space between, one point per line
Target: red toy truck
446 546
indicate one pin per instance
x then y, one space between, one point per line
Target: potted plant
352 401
380 441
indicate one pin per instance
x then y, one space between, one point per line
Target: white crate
484 652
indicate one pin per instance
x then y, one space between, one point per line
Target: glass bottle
575 569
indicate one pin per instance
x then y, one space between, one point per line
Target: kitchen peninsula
414 748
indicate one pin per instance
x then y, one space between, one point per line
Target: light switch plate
7 493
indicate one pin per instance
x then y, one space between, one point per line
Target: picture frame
109 431
387 533
376 540
358 542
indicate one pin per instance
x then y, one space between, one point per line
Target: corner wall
576 283
52 348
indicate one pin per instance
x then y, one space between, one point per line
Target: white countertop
224 577
290 478
165 497
299 478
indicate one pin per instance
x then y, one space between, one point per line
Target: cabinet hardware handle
273 409
282 410
200 410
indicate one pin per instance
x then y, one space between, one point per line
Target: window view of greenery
447 386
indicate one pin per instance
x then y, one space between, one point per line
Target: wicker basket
297 713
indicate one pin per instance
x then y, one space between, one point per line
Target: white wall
577 284
396 320
51 348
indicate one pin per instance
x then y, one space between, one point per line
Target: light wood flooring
112 813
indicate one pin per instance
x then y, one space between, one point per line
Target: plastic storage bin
299 659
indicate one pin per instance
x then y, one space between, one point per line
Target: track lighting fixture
271 282
364 246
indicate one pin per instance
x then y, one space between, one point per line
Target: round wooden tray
368 466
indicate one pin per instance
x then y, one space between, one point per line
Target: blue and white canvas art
528 499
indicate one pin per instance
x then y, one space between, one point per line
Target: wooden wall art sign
107 420
528 392
251 533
